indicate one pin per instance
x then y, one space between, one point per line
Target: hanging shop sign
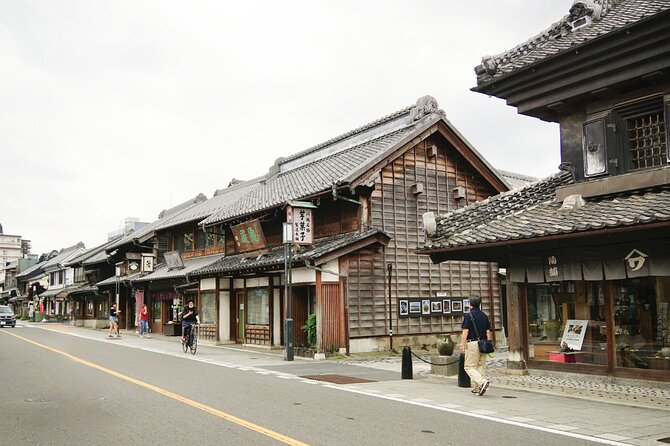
248 236
301 220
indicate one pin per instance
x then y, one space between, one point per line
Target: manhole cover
337 379
664 440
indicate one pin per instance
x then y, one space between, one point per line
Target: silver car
7 318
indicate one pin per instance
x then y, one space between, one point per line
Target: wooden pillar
317 310
516 363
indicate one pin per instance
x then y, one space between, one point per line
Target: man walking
475 325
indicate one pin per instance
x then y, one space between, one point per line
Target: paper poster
573 334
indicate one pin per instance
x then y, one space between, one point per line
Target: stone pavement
574 406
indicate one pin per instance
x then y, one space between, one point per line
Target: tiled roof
222 200
516 180
31 270
123 279
334 162
531 212
90 253
151 227
63 256
163 273
275 257
608 16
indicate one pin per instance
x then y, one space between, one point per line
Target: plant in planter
310 329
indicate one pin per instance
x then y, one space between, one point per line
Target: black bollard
463 378
407 372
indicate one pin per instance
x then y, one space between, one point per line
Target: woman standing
144 321
114 321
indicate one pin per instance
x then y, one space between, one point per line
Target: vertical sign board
301 220
248 236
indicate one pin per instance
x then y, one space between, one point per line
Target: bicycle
190 341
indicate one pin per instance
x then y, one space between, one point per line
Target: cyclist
189 316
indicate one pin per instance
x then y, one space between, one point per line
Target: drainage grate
664 440
337 379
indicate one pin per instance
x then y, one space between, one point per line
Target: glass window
200 237
579 306
210 239
641 323
208 307
187 241
157 312
258 306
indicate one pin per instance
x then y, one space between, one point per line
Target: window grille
647 140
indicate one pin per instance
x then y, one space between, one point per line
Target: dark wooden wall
396 210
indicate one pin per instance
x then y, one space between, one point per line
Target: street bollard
406 371
463 377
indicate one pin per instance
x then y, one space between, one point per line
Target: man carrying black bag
474 324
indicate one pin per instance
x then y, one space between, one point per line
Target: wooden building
585 250
364 193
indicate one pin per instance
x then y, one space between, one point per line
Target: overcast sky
114 109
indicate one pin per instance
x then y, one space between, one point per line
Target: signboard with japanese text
248 236
302 221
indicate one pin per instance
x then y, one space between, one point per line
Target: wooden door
331 315
239 322
300 310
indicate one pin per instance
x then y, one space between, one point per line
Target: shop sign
636 259
248 236
574 332
301 219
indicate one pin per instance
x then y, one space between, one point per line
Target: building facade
586 250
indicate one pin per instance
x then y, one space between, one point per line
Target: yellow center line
174 396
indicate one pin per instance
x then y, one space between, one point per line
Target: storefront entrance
239 305
619 326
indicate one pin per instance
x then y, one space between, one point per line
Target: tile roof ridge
557 177
597 9
423 106
236 184
181 206
519 176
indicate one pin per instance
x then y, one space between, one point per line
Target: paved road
107 393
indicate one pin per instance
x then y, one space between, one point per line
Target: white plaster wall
276 319
334 266
238 284
208 284
224 284
256 282
224 316
303 275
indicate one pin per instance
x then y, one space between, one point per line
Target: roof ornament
425 105
571 204
583 12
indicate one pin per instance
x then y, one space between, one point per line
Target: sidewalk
574 406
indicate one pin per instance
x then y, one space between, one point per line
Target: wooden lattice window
647 140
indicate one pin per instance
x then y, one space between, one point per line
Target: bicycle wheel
184 344
194 341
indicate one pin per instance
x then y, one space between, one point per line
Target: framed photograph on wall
415 307
446 306
436 306
425 306
457 306
403 309
466 305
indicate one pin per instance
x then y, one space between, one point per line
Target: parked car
7 317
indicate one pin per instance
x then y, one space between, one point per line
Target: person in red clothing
144 321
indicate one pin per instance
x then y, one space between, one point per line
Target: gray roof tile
532 212
163 273
275 257
558 38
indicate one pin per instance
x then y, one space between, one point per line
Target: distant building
12 248
130 224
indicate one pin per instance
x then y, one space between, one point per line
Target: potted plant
445 347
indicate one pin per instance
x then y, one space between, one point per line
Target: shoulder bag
485 346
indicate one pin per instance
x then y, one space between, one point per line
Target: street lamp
287 238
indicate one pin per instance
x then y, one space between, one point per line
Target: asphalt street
106 393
